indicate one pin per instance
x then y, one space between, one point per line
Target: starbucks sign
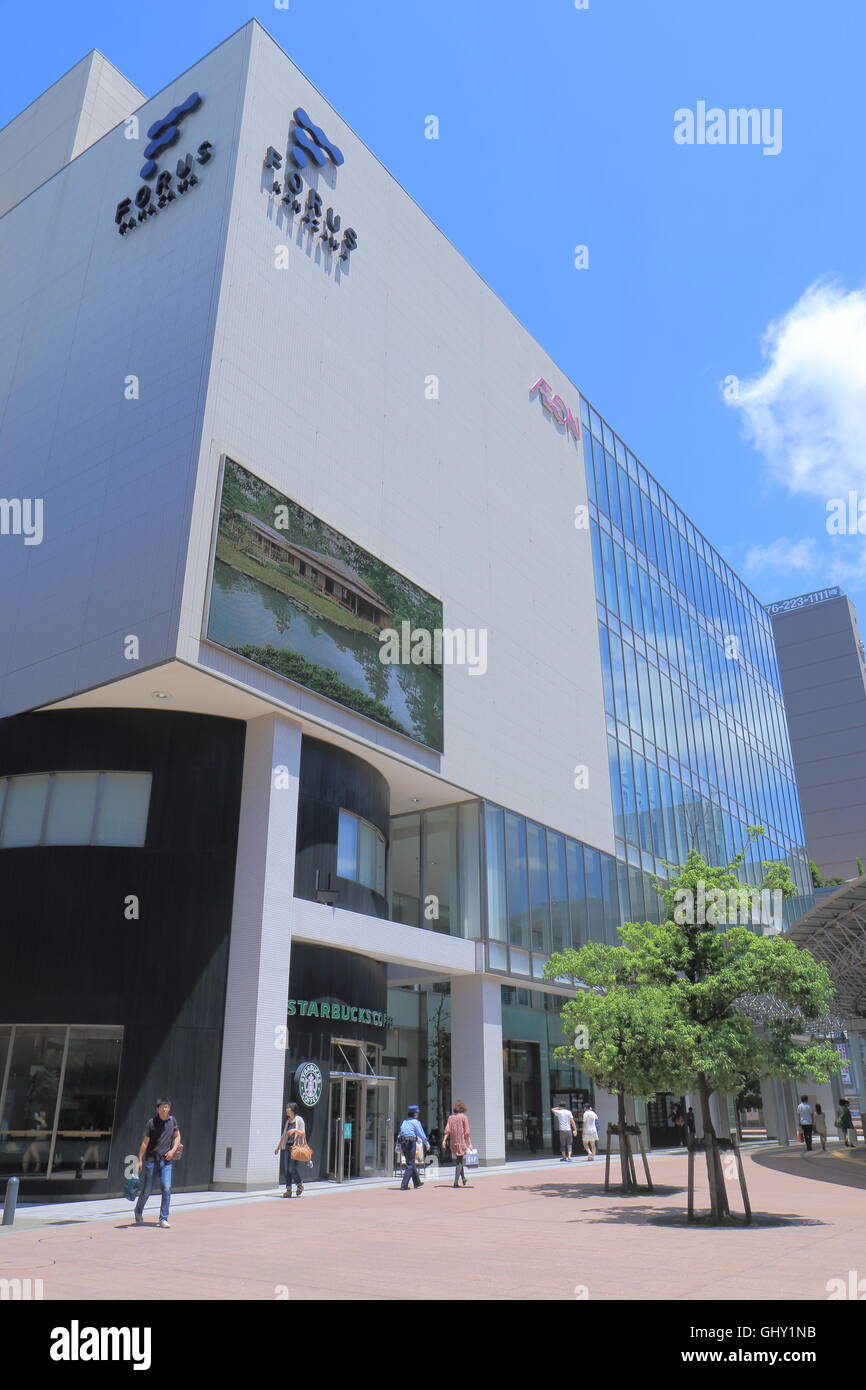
308 1083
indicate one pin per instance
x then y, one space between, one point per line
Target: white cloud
806 413
781 556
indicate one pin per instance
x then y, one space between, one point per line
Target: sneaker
166 1225
300 1189
288 1192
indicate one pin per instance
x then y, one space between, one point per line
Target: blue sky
557 130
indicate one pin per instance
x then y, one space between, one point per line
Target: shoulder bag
302 1152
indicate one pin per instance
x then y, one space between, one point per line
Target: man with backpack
160 1145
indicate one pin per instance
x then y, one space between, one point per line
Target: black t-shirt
160 1136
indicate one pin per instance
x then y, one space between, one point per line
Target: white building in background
270 420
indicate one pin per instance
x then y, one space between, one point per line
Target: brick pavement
543 1234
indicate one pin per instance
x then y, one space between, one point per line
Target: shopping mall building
351 663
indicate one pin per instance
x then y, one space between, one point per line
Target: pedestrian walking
589 1133
690 1123
845 1124
679 1122
567 1130
294 1133
159 1147
410 1134
804 1116
458 1137
821 1127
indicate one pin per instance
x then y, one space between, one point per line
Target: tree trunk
718 1197
629 1181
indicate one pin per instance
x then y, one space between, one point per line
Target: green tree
707 972
818 879
620 1030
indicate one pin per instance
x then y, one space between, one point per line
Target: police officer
410 1132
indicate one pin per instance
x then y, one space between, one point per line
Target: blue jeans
290 1169
147 1172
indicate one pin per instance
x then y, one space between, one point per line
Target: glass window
560 936
24 811
347 846
121 816
71 806
594 894
616 788
517 879
405 869
439 864
600 477
576 893
519 962
610 899
497 956
57 1100
609 572
538 889
469 829
494 841
360 855
625 504
629 803
613 491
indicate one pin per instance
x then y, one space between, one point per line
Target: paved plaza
542 1230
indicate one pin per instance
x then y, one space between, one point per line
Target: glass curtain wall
698 742
58 1090
542 891
435 869
546 892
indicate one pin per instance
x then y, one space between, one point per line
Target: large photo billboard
294 595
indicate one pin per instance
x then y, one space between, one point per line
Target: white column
607 1109
251 1079
476 1060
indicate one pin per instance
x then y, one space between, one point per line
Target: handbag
471 1158
302 1153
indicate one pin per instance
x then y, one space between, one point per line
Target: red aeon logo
557 407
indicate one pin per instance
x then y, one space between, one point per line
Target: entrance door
361 1120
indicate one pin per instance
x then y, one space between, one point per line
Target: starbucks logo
308 1083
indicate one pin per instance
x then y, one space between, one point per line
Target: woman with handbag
293 1149
458 1137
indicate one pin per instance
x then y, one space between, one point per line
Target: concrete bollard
11 1201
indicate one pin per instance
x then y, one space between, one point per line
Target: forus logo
162 134
166 132
311 144
310 149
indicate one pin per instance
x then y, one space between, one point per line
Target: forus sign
309 147
150 200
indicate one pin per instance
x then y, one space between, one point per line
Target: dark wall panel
70 955
332 779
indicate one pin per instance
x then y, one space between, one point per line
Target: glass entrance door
360 1129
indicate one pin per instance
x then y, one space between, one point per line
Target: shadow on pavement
639 1208
833 1167
563 1189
